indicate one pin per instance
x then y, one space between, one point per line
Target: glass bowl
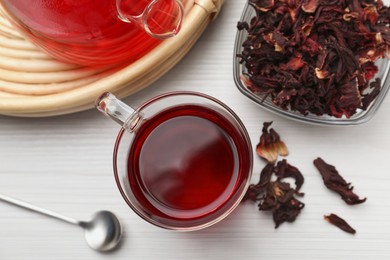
361 116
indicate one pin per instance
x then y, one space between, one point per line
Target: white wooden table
64 164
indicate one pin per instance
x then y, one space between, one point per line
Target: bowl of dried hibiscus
317 61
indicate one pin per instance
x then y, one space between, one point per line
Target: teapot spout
159 18
118 111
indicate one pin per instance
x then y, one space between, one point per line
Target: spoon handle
31 207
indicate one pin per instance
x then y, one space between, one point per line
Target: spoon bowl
103 232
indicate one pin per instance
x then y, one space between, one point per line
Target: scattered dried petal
270 145
333 181
255 190
340 223
285 170
278 196
287 212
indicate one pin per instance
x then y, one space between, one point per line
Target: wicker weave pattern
32 84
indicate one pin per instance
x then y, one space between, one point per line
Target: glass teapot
94 33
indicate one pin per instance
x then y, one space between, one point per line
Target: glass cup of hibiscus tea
182 160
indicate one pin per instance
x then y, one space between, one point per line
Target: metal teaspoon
103 231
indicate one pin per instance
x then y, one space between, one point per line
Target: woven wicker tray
32 84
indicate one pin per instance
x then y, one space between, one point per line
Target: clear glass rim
189 227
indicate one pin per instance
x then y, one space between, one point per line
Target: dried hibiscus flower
340 223
278 196
270 145
333 181
316 56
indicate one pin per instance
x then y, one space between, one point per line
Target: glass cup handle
118 111
159 18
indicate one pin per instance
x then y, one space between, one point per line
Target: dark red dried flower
255 190
316 56
310 6
270 145
333 181
340 223
264 5
278 196
285 170
287 212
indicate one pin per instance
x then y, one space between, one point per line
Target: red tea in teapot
91 32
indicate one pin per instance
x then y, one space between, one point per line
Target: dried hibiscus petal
310 6
278 196
375 89
287 212
270 145
333 181
340 223
263 5
285 170
254 190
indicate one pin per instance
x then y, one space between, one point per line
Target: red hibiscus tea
185 163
